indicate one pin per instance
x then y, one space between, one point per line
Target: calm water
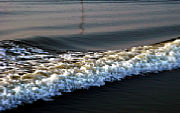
89 25
96 25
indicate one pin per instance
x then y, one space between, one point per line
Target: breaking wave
28 73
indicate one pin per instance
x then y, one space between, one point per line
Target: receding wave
29 73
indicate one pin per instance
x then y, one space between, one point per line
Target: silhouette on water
82 18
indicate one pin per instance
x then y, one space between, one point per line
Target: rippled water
51 47
89 25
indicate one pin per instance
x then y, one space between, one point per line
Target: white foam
76 70
2 52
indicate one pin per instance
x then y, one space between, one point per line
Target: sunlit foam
29 73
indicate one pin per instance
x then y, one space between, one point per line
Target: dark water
99 25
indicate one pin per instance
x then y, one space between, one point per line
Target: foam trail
28 73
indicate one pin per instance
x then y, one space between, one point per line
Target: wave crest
29 73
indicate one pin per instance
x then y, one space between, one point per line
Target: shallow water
34 65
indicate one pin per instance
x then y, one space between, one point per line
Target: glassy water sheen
89 25
49 48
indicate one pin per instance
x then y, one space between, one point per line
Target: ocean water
64 48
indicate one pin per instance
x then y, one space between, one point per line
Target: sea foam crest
40 75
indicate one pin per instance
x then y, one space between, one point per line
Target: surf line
76 70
